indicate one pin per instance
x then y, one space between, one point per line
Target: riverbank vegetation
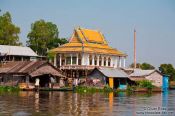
141 86
9 88
145 84
166 69
87 89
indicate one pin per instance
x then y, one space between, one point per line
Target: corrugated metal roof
20 66
140 72
17 50
113 72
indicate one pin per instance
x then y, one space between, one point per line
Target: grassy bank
141 86
9 88
86 89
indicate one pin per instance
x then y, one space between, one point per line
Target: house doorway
44 80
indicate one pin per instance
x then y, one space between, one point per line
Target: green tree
146 66
8 31
143 66
43 37
168 69
137 65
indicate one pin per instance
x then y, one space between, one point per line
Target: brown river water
29 103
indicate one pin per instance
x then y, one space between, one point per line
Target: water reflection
165 99
36 101
111 97
69 103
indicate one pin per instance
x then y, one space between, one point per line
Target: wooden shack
24 74
114 77
153 76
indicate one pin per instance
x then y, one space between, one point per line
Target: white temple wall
106 60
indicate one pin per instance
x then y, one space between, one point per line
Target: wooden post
27 80
111 82
60 60
77 60
55 60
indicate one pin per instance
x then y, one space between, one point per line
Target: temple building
86 50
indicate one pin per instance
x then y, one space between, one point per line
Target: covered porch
117 83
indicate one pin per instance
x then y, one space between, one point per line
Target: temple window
79 59
104 61
74 60
100 63
58 61
100 59
95 60
68 60
90 60
63 62
109 61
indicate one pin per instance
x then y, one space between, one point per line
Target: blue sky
154 21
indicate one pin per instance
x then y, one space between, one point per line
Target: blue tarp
165 84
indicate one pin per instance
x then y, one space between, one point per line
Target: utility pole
135 48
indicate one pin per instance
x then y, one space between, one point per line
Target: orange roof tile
91 40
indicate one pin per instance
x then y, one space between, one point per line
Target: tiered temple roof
87 41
